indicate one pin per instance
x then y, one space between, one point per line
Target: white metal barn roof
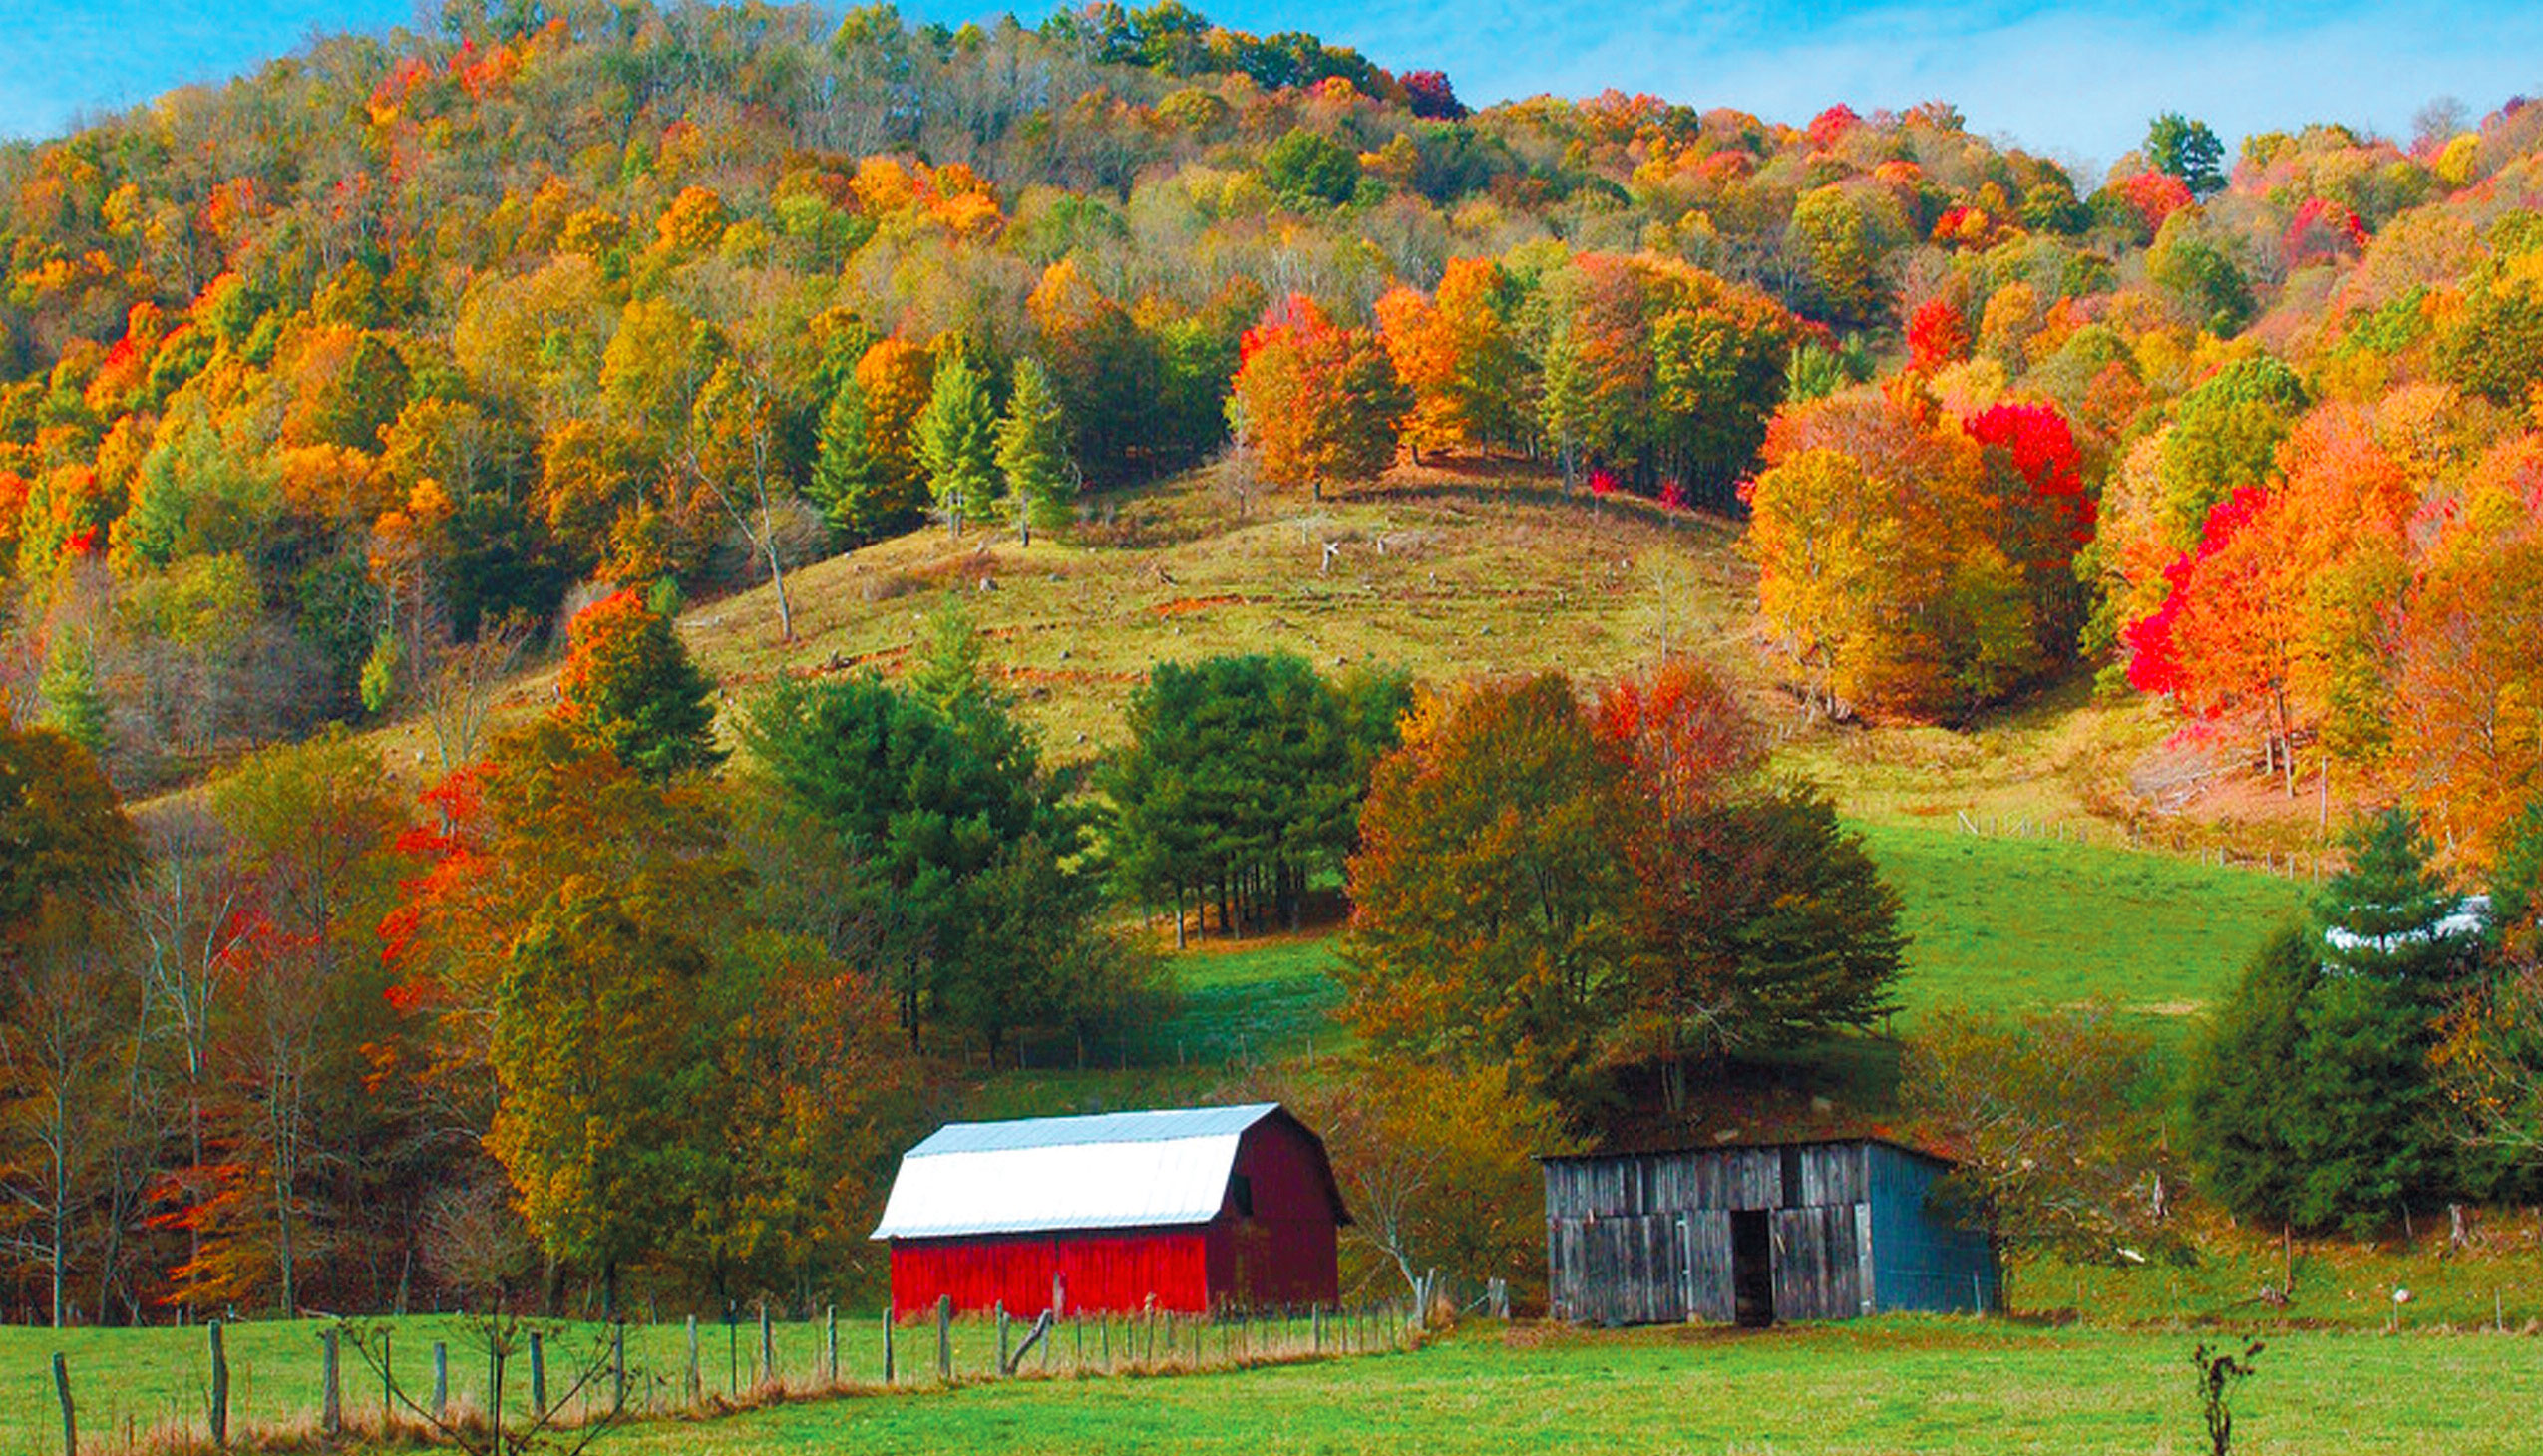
1114 1171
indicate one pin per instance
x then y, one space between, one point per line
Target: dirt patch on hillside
1185 605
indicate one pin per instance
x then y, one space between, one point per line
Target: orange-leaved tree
1457 357
1318 402
2467 685
1880 572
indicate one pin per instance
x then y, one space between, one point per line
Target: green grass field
1894 1385
2011 924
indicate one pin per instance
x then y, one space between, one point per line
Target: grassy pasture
2009 925
137 1385
1891 1385
1895 1384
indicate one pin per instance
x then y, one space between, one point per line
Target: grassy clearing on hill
1445 572
1441 573
2014 925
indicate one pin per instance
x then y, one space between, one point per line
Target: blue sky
2078 81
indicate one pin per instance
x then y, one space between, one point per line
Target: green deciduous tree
2196 269
1308 168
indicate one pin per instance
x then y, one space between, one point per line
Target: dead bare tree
458 689
504 1337
732 449
182 903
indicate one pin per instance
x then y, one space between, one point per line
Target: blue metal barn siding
1920 1261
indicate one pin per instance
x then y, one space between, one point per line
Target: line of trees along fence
567 1384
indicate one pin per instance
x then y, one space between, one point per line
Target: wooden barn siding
1640 1269
1921 1261
1818 1261
1728 1177
1646 1239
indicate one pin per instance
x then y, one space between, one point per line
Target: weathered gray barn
1756 1233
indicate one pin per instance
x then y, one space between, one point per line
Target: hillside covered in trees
334 395
323 375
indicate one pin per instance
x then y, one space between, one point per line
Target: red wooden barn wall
1117 1270
1283 1253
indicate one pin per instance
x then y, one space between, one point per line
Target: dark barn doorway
1752 1268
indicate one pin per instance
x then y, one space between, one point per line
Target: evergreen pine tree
856 490
956 443
2367 1134
72 701
2388 913
628 683
2314 1100
2244 1074
1032 453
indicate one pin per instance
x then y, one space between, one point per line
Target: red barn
1192 1210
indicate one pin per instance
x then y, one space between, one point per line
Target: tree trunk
282 1222
777 580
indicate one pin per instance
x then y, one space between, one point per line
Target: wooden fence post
1001 1312
767 1349
441 1380
69 1417
829 1341
538 1376
617 1368
697 1390
887 1342
495 1385
330 1393
219 1388
945 1338
388 1385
